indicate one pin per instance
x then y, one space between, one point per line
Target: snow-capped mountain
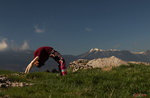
101 50
122 54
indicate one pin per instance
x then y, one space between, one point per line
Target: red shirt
43 53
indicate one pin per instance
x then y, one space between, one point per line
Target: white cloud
3 45
88 29
25 46
38 29
11 45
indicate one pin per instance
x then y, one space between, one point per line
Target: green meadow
120 82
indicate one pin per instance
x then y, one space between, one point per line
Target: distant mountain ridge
18 60
122 54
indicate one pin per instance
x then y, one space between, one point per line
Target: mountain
15 60
124 55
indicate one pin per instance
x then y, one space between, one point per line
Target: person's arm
31 64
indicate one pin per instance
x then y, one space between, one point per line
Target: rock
96 63
106 62
2 79
4 83
79 64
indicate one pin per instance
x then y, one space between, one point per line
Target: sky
75 26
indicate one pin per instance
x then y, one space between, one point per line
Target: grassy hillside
120 82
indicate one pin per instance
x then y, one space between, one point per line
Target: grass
120 82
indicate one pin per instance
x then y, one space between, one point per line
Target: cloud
3 45
88 29
38 29
25 46
11 45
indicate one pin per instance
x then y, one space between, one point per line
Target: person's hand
28 68
31 64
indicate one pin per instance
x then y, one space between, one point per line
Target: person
42 54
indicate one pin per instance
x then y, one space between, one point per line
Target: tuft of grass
5 72
120 82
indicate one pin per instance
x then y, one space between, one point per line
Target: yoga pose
42 54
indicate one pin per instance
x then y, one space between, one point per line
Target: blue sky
75 26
